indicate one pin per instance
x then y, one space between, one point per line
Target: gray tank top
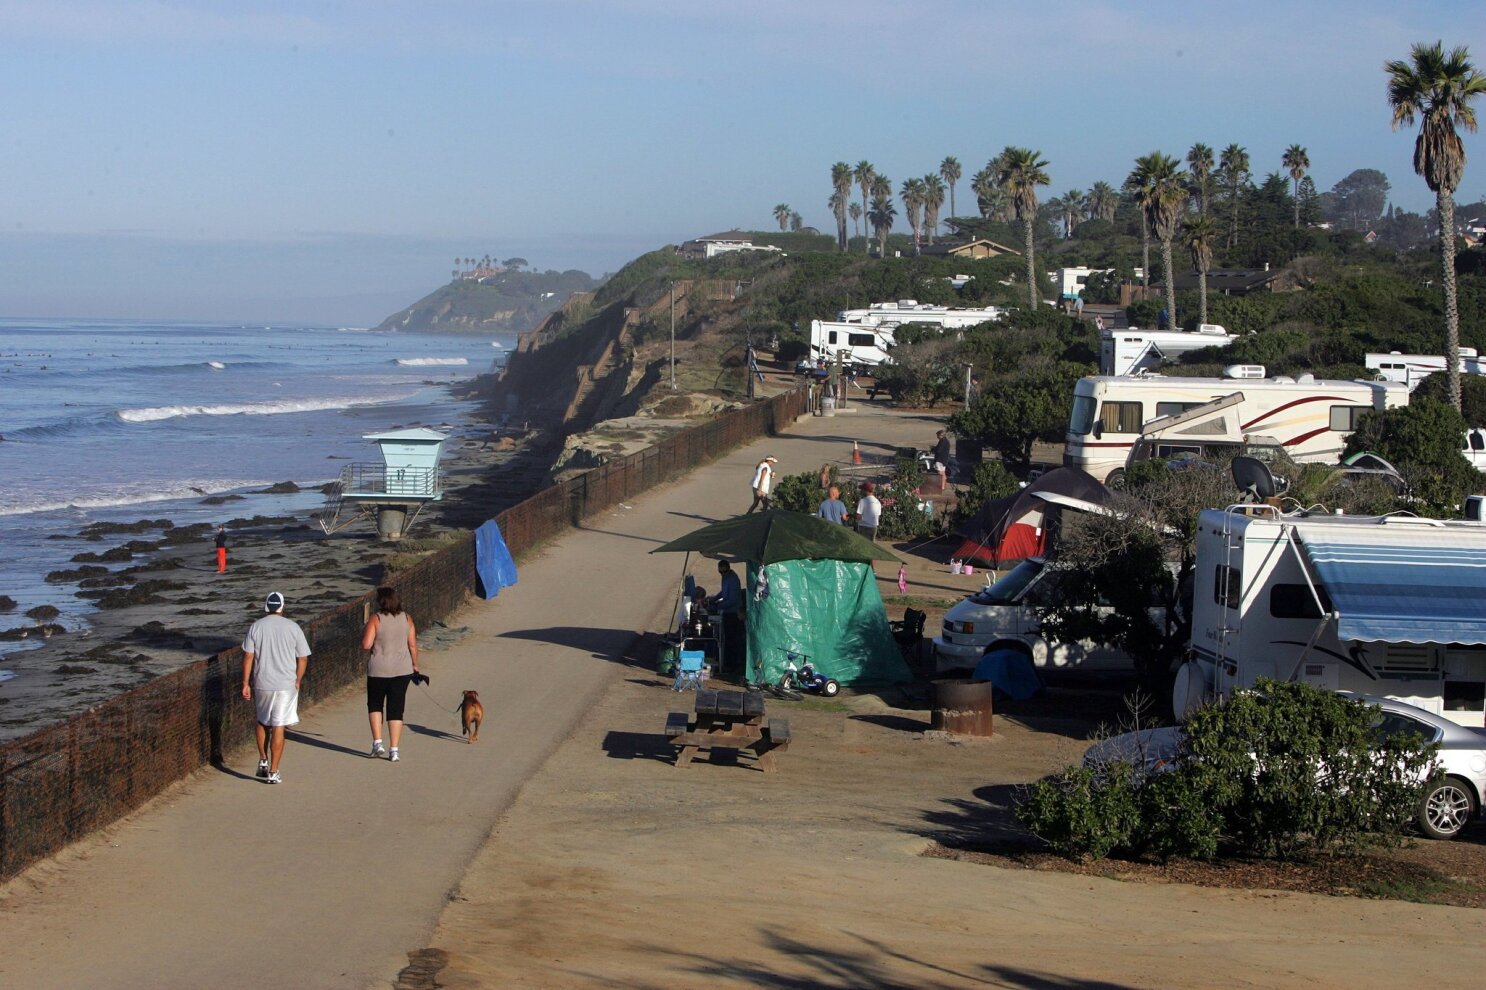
389 654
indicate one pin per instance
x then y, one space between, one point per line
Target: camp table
727 719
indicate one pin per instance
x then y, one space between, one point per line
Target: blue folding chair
689 670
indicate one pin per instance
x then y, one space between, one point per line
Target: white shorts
277 707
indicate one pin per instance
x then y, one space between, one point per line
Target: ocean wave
431 361
218 365
496 343
177 490
154 414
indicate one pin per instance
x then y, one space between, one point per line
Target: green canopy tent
810 591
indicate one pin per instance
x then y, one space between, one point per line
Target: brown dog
471 714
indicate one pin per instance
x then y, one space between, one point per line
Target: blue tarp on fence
493 563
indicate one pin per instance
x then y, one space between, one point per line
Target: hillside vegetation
502 302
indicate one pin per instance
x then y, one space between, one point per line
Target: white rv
857 343
1393 606
1309 417
1411 369
1126 352
895 314
867 336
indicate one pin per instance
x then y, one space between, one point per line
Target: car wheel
1116 479
1447 805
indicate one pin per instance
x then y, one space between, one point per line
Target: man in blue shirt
832 509
729 602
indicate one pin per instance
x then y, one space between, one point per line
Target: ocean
114 421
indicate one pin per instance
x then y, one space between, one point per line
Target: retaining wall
63 781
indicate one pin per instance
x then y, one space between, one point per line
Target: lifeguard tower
395 490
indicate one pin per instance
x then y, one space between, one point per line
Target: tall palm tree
1233 168
1296 161
781 216
1130 190
864 173
1021 171
933 200
1199 235
949 171
1160 188
912 195
1200 164
983 184
855 209
1438 86
1103 201
795 222
841 183
1072 204
880 215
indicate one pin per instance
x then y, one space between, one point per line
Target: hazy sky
326 161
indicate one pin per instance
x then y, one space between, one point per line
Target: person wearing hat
763 483
275 654
869 512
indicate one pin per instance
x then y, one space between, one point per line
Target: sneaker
274 778
394 757
262 768
378 750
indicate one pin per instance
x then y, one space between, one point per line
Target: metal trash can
961 706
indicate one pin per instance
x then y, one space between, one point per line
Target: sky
325 162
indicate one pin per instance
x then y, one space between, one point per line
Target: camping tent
810 592
1013 528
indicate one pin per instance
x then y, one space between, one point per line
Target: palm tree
864 173
1233 167
912 195
983 184
1160 188
1297 161
1072 204
781 216
855 209
1200 164
1438 87
841 183
949 171
1021 171
1199 235
880 215
795 222
933 200
1129 189
1103 201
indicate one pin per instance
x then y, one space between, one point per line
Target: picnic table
731 720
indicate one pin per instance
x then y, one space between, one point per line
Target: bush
990 481
792 350
1285 770
798 493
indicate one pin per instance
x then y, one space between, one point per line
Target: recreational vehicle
1310 418
867 336
1411 369
1126 352
857 343
895 314
1393 606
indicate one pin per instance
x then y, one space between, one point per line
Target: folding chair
689 670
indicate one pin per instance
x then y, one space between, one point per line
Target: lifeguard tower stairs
395 491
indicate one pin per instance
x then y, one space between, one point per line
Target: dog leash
427 694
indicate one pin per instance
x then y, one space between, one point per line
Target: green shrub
792 350
798 492
990 481
1079 813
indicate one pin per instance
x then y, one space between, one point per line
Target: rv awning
1425 589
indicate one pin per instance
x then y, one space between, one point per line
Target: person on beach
393 644
869 512
832 509
221 549
763 482
729 602
275 655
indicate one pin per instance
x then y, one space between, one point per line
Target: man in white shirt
763 483
275 654
868 512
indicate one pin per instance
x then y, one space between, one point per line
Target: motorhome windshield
1007 590
1081 423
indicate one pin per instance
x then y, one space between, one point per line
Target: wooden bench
729 720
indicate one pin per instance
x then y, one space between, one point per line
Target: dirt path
616 868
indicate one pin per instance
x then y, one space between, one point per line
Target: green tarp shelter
818 599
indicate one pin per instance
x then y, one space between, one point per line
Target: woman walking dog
393 642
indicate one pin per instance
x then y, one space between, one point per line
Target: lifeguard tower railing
370 480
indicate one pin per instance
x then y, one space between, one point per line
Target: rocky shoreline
168 606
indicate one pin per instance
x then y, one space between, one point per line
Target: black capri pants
388 692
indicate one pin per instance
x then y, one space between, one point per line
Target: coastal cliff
499 302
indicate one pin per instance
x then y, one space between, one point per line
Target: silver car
1450 802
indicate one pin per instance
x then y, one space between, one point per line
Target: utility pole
673 336
967 384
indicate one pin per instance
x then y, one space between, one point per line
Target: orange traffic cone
856 453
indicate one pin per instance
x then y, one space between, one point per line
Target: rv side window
1226 586
859 339
1172 408
1295 601
831 337
1344 418
1478 442
1082 420
1120 417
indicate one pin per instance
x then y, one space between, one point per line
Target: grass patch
821 705
919 601
1427 887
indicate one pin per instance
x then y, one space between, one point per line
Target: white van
1004 616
